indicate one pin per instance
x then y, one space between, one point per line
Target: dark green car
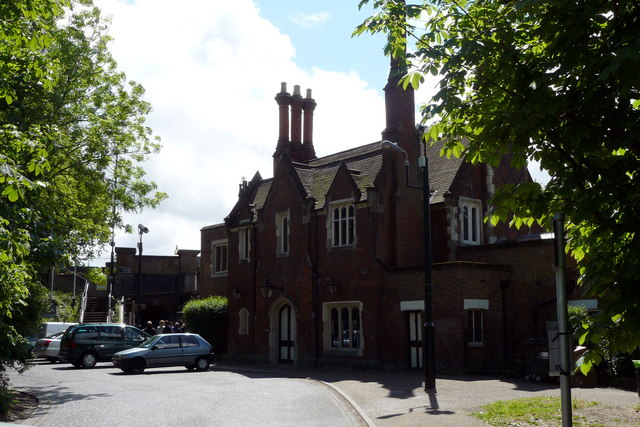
86 344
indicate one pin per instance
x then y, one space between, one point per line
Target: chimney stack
299 147
296 125
283 99
308 106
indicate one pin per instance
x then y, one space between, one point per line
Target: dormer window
470 217
343 224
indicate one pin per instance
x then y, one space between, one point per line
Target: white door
415 339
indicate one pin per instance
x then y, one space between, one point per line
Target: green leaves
555 81
72 140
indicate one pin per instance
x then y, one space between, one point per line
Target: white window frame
341 338
471 221
475 323
342 223
216 264
283 231
244 244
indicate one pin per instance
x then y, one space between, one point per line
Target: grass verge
527 411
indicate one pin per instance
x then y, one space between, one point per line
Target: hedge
208 318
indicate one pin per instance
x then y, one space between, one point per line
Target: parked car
47 329
48 347
86 344
181 349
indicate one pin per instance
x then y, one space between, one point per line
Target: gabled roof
362 162
442 172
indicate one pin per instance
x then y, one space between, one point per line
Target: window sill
475 345
343 352
221 274
342 248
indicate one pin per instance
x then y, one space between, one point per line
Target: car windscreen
149 342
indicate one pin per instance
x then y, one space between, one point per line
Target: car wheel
202 364
88 360
137 366
52 359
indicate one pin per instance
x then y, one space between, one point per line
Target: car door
165 352
111 341
191 349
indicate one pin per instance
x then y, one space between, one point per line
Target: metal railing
83 304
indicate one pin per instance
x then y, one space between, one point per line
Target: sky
211 70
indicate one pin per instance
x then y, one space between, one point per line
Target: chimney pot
283 87
296 90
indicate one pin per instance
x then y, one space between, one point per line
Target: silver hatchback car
181 349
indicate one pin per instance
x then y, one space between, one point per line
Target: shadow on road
58 395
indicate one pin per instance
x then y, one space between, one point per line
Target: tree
72 139
554 81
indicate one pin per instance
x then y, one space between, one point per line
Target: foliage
529 411
72 138
96 275
208 318
67 307
553 81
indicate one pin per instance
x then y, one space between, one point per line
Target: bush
208 318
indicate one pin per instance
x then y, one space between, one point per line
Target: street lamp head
388 145
142 229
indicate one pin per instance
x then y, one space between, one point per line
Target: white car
48 347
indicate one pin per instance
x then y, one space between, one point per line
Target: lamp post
428 338
141 230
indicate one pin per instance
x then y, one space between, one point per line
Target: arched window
470 217
243 321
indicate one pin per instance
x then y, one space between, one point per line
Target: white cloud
309 20
211 71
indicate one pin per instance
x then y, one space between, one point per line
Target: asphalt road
104 396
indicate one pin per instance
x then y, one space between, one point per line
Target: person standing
149 328
160 329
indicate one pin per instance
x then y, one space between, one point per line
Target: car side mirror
154 348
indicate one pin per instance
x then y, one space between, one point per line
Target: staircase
97 310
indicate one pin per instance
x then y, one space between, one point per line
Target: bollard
636 364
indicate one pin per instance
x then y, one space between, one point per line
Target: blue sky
320 31
211 70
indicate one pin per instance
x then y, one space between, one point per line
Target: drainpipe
315 278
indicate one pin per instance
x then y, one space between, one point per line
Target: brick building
166 283
324 262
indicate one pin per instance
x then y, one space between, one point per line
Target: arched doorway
283 332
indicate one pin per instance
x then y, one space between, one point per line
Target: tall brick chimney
291 108
296 125
284 100
400 112
309 153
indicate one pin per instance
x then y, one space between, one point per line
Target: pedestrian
177 328
168 329
149 328
160 329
